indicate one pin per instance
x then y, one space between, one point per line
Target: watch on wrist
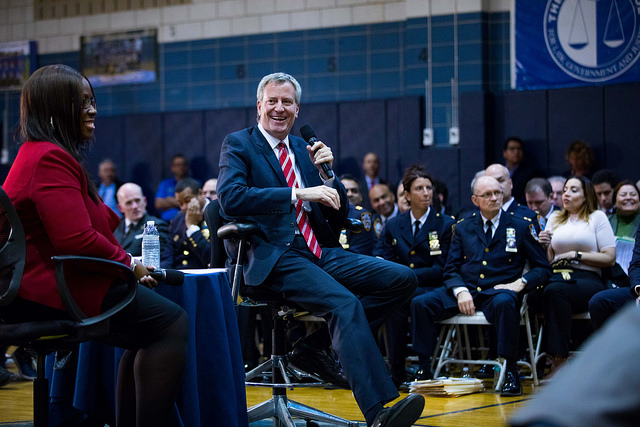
524 280
578 255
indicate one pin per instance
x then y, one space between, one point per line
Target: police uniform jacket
426 254
479 267
364 241
186 252
131 240
524 212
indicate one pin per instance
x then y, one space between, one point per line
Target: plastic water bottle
151 245
465 372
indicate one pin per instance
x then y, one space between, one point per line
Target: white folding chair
455 348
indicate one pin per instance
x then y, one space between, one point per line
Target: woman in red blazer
62 214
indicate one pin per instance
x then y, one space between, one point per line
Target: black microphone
170 277
309 135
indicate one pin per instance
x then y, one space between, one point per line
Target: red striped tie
301 214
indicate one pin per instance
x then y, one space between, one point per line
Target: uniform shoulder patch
533 232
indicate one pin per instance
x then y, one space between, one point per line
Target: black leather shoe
402 414
321 363
6 376
24 363
423 375
511 386
485 372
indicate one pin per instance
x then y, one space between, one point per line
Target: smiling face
278 110
88 114
573 197
382 199
627 200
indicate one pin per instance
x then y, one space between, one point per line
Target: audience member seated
133 204
626 216
189 245
364 241
538 194
371 177
484 271
605 303
165 201
580 159
403 205
62 214
520 171
557 186
109 183
509 204
579 243
384 205
441 197
209 189
604 181
268 176
419 239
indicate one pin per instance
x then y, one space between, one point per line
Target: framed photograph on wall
17 62
120 58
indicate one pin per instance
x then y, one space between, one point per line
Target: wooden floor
479 409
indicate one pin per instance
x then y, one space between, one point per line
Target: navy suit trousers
355 294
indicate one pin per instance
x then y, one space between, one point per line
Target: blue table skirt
213 390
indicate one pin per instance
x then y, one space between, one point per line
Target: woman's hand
570 255
544 237
142 275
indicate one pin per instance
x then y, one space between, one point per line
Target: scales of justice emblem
593 40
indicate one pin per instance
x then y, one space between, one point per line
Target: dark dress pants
397 334
355 294
605 303
562 299
501 308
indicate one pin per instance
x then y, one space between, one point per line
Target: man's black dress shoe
423 375
402 414
511 386
485 372
321 363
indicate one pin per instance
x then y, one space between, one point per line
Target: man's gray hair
279 78
478 174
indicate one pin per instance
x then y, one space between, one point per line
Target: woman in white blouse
579 242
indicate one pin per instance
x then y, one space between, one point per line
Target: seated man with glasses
484 268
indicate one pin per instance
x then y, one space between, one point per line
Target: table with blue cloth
213 390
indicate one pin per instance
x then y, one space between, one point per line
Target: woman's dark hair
412 173
620 185
51 110
590 200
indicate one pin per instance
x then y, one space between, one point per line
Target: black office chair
44 337
279 406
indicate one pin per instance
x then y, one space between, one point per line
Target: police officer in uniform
364 241
484 270
189 245
419 239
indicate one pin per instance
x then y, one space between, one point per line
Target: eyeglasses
88 102
495 194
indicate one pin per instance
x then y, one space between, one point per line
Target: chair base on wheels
282 410
279 407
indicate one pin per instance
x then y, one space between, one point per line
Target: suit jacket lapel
269 155
480 229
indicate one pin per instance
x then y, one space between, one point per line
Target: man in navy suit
301 257
484 269
133 204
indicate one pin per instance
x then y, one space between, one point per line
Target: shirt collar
272 140
422 219
495 220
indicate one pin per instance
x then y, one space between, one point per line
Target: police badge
434 243
511 240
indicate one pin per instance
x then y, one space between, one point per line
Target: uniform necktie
488 233
417 228
301 214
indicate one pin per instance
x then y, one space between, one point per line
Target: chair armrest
99 266
240 230
353 224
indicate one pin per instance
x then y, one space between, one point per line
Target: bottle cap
150 223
